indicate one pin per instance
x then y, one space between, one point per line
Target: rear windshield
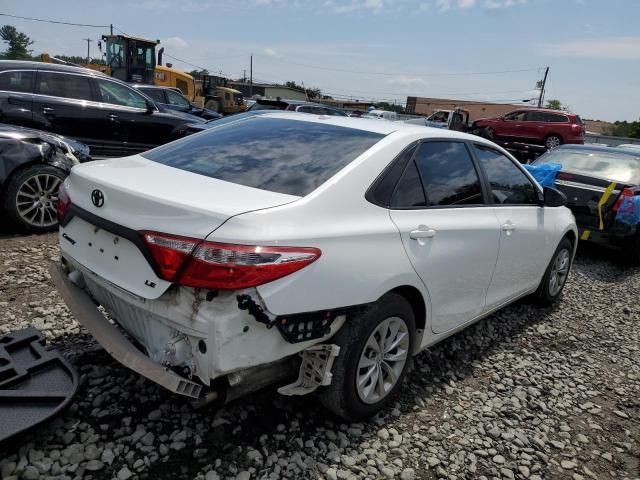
279 155
268 106
610 166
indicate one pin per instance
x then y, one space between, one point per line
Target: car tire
488 133
40 184
552 141
213 105
555 277
360 359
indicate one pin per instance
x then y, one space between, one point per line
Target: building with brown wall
426 106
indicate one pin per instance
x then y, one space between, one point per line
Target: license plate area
112 257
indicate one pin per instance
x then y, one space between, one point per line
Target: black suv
108 115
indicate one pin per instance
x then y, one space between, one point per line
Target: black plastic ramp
35 383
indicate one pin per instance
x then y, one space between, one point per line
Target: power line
54 21
435 74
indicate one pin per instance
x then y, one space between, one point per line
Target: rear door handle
422 233
114 117
47 110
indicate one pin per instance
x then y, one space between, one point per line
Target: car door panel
16 99
449 234
454 252
524 235
135 127
64 104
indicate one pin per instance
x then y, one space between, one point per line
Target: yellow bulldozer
133 60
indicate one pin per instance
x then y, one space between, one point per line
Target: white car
333 247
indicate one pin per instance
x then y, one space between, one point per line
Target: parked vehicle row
216 242
108 115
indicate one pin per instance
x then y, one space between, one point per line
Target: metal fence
609 140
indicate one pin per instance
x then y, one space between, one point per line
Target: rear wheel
556 274
488 133
552 141
31 197
375 353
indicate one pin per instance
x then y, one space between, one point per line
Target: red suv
543 126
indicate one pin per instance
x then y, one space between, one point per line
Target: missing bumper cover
299 327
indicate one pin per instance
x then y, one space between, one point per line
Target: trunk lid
587 198
139 194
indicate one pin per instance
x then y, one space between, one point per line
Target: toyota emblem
97 197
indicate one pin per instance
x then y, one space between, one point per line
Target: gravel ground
527 393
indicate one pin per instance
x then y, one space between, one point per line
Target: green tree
18 44
624 129
311 92
557 105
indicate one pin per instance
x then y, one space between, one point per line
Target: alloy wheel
559 272
37 200
382 360
552 142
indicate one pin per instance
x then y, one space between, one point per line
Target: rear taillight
577 128
200 264
626 192
63 202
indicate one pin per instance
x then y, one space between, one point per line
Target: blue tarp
545 173
629 210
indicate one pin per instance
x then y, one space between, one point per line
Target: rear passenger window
16 81
448 174
383 188
155 94
63 85
555 118
509 185
409 192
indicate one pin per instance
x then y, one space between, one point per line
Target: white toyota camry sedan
317 253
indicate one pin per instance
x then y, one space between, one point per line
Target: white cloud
357 5
444 5
621 48
405 81
175 42
270 52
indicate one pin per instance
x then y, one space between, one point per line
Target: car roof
54 67
599 148
540 109
375 125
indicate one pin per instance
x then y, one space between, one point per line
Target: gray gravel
527 393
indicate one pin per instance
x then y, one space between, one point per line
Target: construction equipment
133 60
219 97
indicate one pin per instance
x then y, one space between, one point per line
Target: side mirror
150 107
554 198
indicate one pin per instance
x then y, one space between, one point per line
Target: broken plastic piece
315 370
35 383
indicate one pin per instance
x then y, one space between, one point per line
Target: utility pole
111 28
244 76
544 83
88 42
251 76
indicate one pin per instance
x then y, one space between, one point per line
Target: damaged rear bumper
115 342
188 337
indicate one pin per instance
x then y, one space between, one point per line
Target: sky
485 50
